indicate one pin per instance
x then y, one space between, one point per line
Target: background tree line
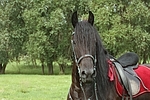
41 29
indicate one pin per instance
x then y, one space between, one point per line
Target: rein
77 61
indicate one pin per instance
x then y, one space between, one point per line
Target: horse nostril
83 73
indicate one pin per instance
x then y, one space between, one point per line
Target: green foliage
42 29
124 26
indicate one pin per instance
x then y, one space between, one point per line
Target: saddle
128 60
125 66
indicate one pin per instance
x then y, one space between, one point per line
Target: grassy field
34 87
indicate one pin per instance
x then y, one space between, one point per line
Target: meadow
23 81
34 87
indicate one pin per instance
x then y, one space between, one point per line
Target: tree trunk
2 68
62 69
50 68
144 58
43 68
34 62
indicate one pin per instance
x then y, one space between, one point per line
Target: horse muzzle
87 70
88 76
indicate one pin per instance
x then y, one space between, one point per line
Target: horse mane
84 35
103 84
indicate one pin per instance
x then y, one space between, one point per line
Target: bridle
77 61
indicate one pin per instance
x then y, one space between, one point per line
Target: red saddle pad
143 73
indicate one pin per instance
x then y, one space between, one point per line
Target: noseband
77 61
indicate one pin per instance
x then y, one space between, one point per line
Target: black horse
91 66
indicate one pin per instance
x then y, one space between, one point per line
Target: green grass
34 87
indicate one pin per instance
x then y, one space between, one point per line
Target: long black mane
102 80
86 34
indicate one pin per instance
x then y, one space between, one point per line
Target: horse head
84 47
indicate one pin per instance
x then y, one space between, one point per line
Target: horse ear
74 19
91 18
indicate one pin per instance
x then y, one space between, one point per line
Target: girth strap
124 79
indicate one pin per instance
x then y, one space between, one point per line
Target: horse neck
105 88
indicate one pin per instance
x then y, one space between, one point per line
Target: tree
4 36
124 26
47 31
12 31
42 29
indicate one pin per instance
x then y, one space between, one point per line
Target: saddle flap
129 79
134 82
123 78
